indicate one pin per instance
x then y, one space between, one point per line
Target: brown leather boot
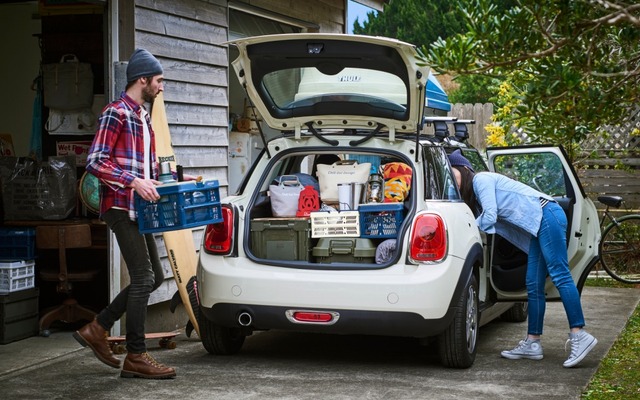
95 336
144 366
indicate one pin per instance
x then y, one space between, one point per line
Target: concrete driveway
280 365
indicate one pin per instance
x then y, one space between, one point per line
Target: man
123 157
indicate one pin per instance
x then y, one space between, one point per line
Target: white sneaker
527 348
581 344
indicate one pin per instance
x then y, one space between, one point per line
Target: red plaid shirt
116 155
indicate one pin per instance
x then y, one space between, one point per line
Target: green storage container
347 250
281 238
18 315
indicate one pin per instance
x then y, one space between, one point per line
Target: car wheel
457 344
517 313
220 340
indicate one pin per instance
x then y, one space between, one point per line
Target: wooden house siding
329 15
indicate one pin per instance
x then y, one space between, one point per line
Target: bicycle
619 247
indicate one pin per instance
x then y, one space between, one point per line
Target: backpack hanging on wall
68 85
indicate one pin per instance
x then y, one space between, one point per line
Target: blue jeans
548 255
140 253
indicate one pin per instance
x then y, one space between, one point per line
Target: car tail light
218 238
428 238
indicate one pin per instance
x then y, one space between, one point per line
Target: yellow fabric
397 182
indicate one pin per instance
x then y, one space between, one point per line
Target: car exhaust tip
245 319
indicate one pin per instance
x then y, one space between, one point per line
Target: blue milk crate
182 205
380 220
17 243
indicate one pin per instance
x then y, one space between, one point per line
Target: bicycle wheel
620 249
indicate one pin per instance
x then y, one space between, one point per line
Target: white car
413 266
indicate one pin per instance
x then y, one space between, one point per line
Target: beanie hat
458 160
142 64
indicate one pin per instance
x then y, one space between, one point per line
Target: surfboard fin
189 328
175 301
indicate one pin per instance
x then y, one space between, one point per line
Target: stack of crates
18 294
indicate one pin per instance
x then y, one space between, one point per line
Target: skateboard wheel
119 349
167 344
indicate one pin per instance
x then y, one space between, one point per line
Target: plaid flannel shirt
116 156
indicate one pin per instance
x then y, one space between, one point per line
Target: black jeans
140 253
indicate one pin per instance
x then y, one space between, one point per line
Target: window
439 182
542 171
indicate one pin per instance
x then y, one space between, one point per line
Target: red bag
308 201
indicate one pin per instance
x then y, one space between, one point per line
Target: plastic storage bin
281 238
182 205
380 220
16 275
18 315
346 250
17 243
365 158
331 224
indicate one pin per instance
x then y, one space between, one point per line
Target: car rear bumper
352 322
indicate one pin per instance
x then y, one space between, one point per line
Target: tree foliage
420 22
573 66
423 22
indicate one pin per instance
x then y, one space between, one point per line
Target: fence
608 164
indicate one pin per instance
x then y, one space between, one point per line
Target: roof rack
440 127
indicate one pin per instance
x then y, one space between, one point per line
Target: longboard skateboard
165 341
181 250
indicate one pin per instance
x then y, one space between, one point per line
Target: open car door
548 170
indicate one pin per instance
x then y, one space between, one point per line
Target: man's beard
147 94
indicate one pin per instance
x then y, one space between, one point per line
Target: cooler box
347 250
18 315
281 238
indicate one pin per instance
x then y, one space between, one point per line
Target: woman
534 222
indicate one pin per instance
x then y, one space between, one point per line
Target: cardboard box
77 149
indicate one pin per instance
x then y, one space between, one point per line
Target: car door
548 170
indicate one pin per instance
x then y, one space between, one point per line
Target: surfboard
181 250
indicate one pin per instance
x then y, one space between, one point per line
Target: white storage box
335 224
16 275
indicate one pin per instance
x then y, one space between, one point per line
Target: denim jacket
509 208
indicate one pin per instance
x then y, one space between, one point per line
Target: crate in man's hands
182 205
